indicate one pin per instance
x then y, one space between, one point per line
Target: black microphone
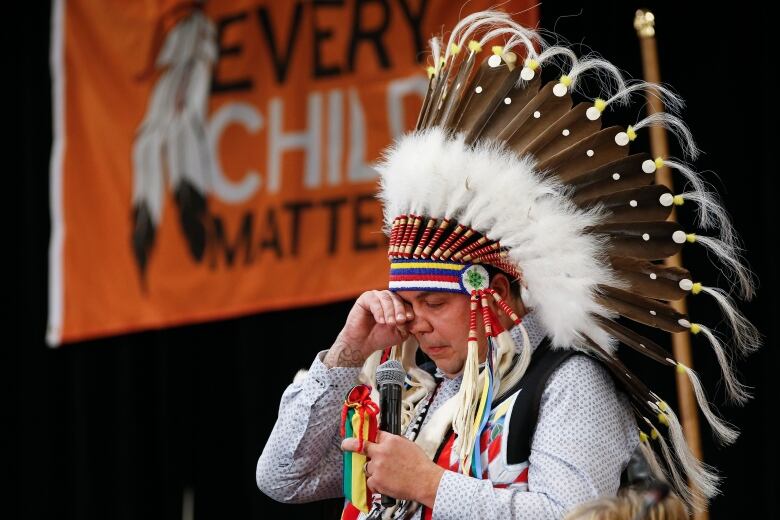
390 378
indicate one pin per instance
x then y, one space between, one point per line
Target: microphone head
392 372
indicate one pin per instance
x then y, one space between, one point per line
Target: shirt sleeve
584 439
302 459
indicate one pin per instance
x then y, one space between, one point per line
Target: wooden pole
644 23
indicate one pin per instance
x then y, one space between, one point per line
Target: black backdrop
119 427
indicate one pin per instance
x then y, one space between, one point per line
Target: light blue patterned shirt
583 440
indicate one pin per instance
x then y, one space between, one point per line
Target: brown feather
436 99
525 126
493 84
651 280
426 103
633 386
634 205
626 239
635 341
653 313
623 174
577 158
519 96
456 92
572 127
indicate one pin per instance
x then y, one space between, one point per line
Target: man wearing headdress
523 240
584 436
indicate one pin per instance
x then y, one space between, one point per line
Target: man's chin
450 369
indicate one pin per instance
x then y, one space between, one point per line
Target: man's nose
419 324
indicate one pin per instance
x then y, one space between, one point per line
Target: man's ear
500 283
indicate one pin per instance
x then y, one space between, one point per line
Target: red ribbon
359 398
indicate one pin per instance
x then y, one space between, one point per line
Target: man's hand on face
399 468
378 320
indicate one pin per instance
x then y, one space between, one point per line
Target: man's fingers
398 306
408 310
403 310
375 306
369 448
352 444
388 307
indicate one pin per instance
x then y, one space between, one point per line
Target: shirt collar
535 330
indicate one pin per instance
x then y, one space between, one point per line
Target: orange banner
212 160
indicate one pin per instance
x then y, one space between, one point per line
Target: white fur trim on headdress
490 189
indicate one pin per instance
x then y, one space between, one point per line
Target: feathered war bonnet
504 169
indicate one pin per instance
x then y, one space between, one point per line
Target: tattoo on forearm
347 357
350 357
